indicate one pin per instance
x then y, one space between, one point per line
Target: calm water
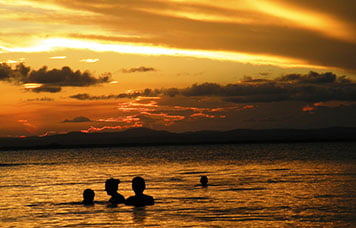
267 185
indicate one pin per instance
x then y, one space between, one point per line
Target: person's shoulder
121 197
148 197
148 200
131 200
88 204
117 199
139 201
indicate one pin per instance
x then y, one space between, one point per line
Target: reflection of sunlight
12 61
32 85
308 108
202 115
93 129
139 98
130 48
58 57
89 60
334 104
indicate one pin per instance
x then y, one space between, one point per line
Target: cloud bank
45 80
311 87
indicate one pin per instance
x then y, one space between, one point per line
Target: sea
250 185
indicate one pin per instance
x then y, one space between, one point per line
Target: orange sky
206 64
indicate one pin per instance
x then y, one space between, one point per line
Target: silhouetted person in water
88 197
111 188
204 181
139 199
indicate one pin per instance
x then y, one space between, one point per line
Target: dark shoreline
52 147
138 137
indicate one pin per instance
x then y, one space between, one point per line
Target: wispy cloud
138 69
29 127
103 128
47 99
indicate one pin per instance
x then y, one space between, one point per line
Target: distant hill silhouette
146 136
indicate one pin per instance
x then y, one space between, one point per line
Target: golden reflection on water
255 193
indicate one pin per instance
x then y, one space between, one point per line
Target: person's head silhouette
88 196
139 199
204 181
111 186
138 185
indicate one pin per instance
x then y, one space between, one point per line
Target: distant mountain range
145 136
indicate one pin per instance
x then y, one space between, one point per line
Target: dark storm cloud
138 69
51 80
78 119
311 87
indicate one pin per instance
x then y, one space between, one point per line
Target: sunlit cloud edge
53 44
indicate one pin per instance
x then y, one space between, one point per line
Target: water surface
251 185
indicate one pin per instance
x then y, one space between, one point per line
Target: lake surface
251 185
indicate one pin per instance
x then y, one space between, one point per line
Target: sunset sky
177 65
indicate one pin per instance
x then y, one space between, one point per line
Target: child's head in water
138 185
88 196
204 181
111 186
